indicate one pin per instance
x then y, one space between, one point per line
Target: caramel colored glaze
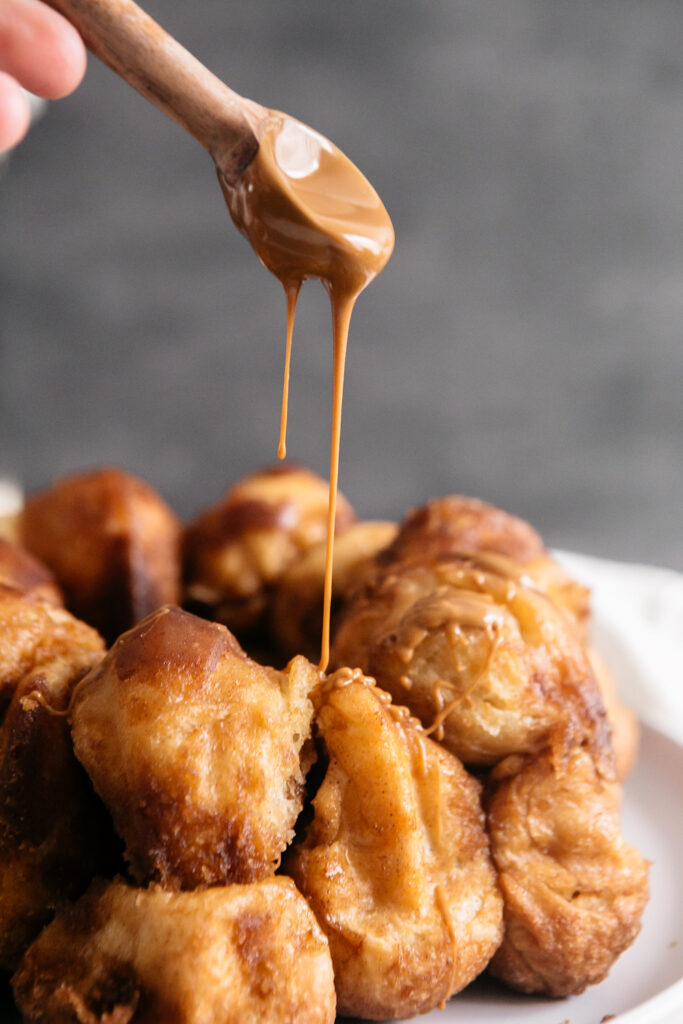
309 212
292 292
455 523
482 657
395 862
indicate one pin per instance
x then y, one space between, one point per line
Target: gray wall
523 345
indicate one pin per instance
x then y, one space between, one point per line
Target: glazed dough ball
24 573
53 833
456 524
235 553
396 864
196 750
297 614
42 642
484 660
574 889
241 954
112 543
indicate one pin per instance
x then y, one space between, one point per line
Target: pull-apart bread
111 542
499 545
574 889
485 660
235 552
395 863
459 645
238 954
53 832
495 663
297 603
198 752
456 523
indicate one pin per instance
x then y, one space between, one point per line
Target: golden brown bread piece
53 832
395 864
112 543
236 551
456 524
23 572
241 954
297 605
195 749
459 523
481 657
574 889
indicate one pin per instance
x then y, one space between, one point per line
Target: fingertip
40 48
68 60
15 113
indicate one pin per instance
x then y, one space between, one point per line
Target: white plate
639 629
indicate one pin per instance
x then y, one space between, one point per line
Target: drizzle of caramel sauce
454 609
292 293
309 212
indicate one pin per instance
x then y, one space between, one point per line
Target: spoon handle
135 46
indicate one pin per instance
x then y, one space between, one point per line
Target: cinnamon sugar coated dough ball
196 750
297 612
53 834
112 543
241 954
574 889
396 863
457 524
236 551
23 572
484 660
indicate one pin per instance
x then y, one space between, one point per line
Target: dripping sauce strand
292 293
309 212
342 307
342 303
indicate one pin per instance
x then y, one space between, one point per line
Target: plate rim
657 1007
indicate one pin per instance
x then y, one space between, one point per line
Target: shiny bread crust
196 750
112 543
54 834
396 863
235 552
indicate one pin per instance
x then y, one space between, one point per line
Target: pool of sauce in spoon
309 212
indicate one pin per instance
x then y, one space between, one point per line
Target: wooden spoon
305 208
164 72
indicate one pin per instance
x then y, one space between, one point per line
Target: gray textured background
523 345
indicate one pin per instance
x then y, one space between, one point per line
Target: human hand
39 50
